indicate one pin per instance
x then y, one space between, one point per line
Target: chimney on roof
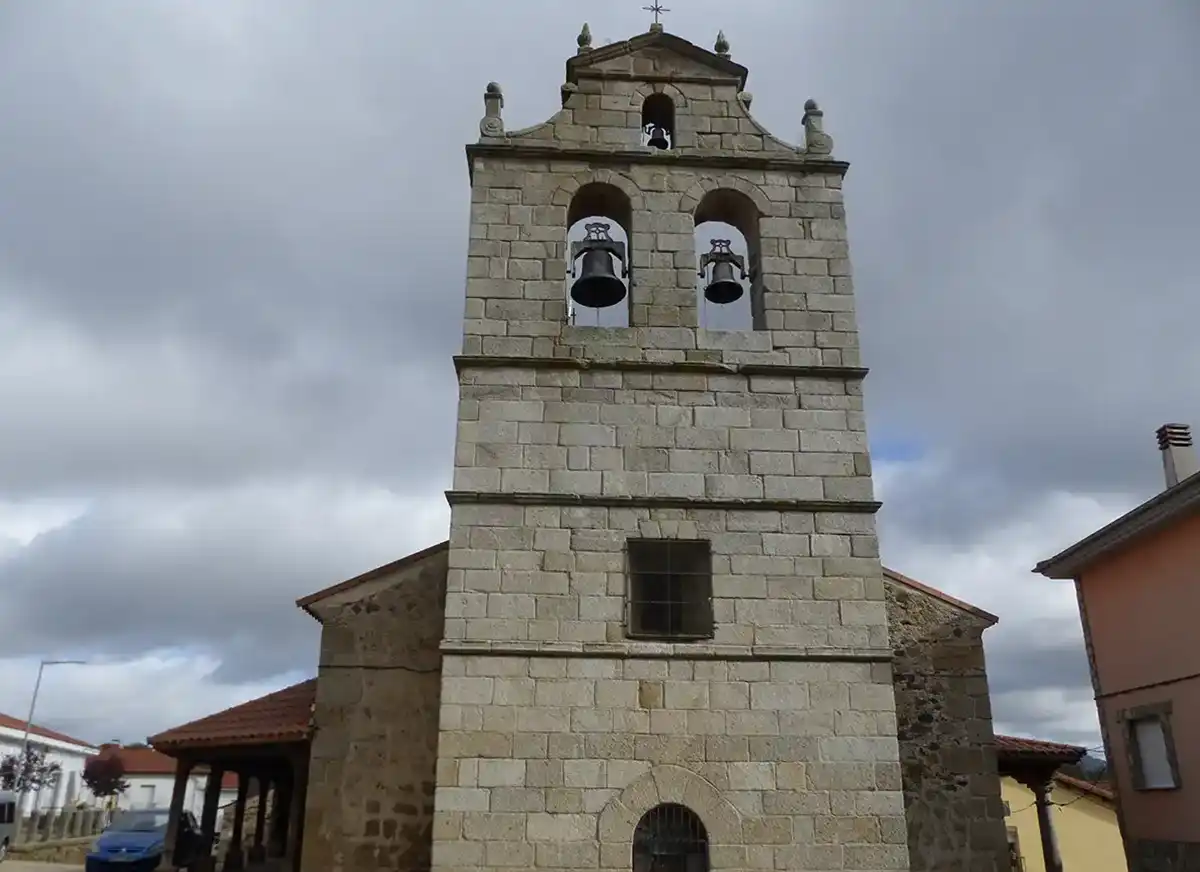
1178 455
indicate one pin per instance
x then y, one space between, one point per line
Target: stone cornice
1152 515
537 150
672 78
858 507
632 649
487 361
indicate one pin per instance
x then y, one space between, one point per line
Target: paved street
26 866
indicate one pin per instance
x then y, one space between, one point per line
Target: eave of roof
1018 748
11 723
306 602
900 578
1151 516
1102 791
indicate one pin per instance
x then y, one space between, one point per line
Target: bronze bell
658 138
724 287
598 286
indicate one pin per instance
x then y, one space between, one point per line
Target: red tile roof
282 716
1014 747
17 724
1101 789
147 761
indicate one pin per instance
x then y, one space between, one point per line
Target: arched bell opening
658 121
599 220
728 261
670 838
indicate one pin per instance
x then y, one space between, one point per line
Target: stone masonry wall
517 265
951 785
683 434
558 732
550 762
371 777
554 577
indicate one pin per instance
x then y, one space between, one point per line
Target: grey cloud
216 573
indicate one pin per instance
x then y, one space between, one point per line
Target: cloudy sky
232 241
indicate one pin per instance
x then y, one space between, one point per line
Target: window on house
1153 752
670 838
670 589
8 812
1016 863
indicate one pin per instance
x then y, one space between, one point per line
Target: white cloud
126 700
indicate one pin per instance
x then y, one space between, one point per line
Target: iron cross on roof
658 9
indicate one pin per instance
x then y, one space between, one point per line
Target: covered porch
266 743
1034 763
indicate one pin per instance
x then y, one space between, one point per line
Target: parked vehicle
9 821
133 842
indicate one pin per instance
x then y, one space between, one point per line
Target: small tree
30 775
104 775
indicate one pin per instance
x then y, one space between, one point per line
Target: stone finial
722 45
816 140
584 39
493 101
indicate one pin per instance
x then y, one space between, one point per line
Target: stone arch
670 784
692 197
565 192
645 89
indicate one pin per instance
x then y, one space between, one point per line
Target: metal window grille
670 589
670 838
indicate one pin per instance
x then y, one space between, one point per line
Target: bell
724 287
658 138
598 286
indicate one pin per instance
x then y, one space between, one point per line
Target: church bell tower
665 642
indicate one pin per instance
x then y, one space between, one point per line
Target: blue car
133 842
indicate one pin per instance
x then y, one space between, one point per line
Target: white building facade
69 753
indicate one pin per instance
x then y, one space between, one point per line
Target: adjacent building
151 778
1138 585
68 752
1085 825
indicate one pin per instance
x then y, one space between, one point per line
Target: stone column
258 851
183 769
208 819
1050 855
277 844
234 858
295 828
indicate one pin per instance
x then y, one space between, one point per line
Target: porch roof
278 718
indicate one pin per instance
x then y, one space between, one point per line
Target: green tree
30 775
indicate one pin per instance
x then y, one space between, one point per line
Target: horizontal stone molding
634 650
656 78
599 501
796 163
486 361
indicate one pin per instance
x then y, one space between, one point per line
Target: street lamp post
21 761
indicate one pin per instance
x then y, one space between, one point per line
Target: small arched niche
658 121
670 838
728 260
599 221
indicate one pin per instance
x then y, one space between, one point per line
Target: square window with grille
670 589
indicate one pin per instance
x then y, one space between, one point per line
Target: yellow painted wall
1088 836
